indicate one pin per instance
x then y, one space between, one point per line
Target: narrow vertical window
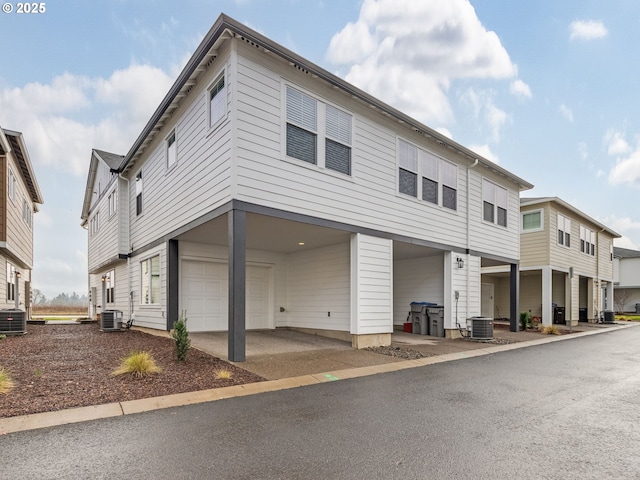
217 101
449 185
110 284
150 281
564 231
139 193
338 140
11 282
172 150
429 177
408 169
302 126
113 202
12 186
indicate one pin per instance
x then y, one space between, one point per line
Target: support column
547 303
514 297
609 304
237 229
173 283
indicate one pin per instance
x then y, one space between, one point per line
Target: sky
547 89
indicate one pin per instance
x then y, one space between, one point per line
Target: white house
626 270
266 192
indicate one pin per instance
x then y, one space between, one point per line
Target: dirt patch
55 367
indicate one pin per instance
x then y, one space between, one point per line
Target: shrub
180 337
223 375
525 320
6 383
550 330
138 364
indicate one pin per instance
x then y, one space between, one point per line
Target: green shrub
138 364
180 336
525 320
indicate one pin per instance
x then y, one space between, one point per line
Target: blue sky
547 89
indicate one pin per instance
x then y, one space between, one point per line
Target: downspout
129 292
468 241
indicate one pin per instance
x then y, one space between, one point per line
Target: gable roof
11 141
625 253
226 28
111 160
525 202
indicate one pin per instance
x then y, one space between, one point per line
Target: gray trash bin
436 321
420 318
638 308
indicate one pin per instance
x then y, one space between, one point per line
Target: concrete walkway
292 359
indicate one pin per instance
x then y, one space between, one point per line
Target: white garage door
205 296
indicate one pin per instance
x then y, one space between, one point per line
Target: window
338 140
532 221
12 186
564 231
217 101
11 282
301 126
150 281
94 224
439 178
109 285
27 213
113 202
172 150
494 203
408 174
139 193
587 241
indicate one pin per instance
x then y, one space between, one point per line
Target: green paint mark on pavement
331 377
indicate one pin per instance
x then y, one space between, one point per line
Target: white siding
629 272
103 245
19 236
416 280
150 316
371 285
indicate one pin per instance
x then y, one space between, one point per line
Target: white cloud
616 143
63 120
626 227
520 89
566 112
587 30
482 104
485 151
407 53
626 170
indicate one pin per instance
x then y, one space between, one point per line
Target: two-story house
626 271
267 192
20 199
566 265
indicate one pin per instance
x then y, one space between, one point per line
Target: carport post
237 273
514 297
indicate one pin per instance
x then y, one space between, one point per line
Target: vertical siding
371 285
416 280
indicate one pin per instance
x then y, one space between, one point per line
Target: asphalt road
566 410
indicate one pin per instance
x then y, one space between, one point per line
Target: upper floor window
439 178
217 101
150 280
12 185
587 241
27 213
94 223
338 140
494 202
113 202
139 193
172 150
564 231
109 280
532 221
11 282
302 126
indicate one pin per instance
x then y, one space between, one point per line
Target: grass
224 375
138 364
6 383
628 318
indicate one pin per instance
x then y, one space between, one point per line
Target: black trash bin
638 308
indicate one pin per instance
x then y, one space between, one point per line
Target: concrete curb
83 414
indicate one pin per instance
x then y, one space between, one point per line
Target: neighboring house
20 198
566 265
626 268
266 192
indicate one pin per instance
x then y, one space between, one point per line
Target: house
20 199
626 268
566 265
266 192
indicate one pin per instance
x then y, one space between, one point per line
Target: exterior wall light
460 262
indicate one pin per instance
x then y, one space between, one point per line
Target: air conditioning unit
13 322
480 328
111 321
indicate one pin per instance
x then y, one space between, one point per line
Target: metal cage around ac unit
480 328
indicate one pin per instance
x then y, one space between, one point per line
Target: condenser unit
111 321
13 322
480 328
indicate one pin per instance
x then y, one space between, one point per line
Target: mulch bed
54 367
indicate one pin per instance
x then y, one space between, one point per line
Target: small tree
180 337
621 298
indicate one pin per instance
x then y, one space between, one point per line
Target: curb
83 414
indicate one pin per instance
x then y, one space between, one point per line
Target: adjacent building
266 192
20 199
626 268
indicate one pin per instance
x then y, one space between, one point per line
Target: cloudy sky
547 89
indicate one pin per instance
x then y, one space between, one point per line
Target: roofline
225 23
525 202
36 194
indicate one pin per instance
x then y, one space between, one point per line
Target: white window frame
12 186
139 194
447 172
11 282
113 202
530 212
171 149
27 213
217 105
94 223
147 284
587 241
110 284
564 226
498 197
330 123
